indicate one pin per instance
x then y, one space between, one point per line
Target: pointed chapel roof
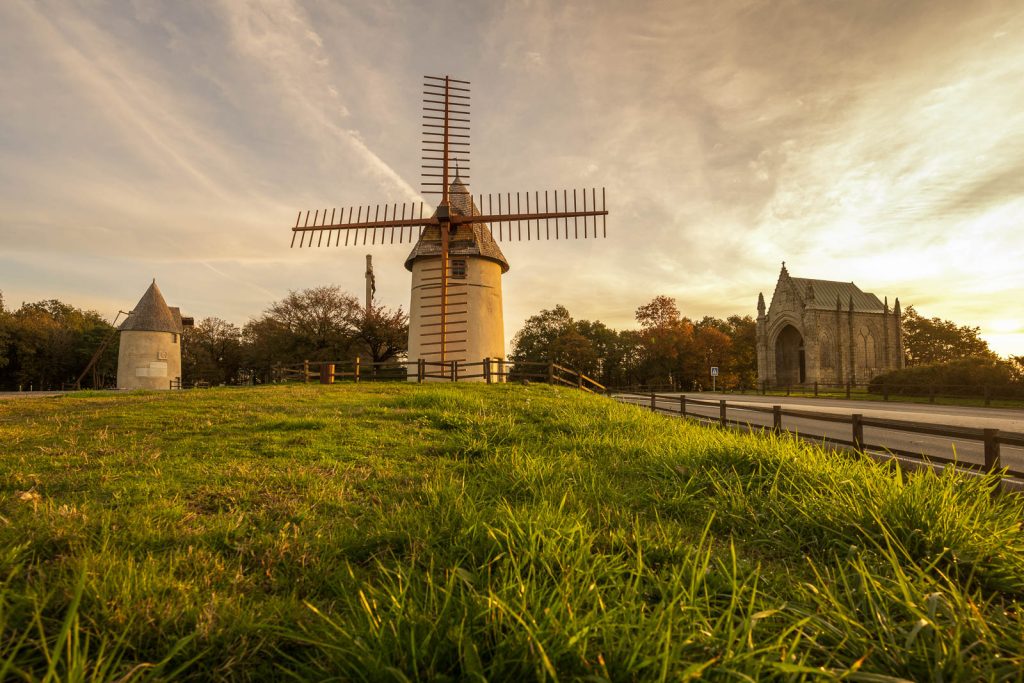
469 239
821 294
152 314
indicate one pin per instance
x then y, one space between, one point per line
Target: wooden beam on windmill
455 310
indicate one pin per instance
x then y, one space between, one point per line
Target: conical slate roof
469 239
152 314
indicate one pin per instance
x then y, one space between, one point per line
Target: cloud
868 141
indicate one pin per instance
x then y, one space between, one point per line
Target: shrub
964 377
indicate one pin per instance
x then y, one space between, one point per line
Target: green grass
458 532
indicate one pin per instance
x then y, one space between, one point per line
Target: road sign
714 372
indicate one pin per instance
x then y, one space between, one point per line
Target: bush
966 377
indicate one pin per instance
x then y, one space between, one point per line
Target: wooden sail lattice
522 216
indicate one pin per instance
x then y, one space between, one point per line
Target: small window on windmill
174 338
459 268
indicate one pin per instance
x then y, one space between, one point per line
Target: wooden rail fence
490 370
991 439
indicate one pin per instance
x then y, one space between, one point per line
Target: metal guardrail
991 439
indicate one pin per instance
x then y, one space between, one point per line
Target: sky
877 142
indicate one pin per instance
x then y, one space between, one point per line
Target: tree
47 344
309 324
667 345
382 334
662 311
933 340
211 352
5 337
536 340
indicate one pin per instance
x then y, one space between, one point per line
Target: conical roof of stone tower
469 239
152 314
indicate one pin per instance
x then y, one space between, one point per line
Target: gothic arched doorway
789 357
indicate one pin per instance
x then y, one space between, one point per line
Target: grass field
458 532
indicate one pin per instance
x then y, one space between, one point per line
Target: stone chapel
827 332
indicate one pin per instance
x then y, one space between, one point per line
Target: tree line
47 344
669 350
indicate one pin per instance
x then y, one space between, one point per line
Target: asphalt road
964 450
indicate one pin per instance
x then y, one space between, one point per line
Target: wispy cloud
869 141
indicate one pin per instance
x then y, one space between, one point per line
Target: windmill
455 312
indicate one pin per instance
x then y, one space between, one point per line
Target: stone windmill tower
149 356
474 325
456 312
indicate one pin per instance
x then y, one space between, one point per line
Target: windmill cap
152 314
469 239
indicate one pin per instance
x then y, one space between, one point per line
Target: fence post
654 402
777 419
885 392
501 371
847 390
455 370
355 370
815 390
327 373
551 372
988 396
487 370
992 460
579 380
305 371
682 405
721 412
787 390
858 432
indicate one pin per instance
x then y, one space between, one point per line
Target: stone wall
475 321
148 360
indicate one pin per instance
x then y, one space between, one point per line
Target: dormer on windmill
149 356
455 312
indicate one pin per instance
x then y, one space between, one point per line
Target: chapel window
459 268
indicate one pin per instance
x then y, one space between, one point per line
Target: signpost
714 377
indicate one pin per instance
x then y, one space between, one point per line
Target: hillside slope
465 532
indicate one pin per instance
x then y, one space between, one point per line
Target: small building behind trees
149 355
825 331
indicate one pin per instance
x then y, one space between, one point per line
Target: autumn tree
743 332
667 344
933 340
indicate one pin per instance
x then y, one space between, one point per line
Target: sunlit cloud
881 143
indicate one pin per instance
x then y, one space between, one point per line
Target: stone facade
149 354
827 332
474 321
